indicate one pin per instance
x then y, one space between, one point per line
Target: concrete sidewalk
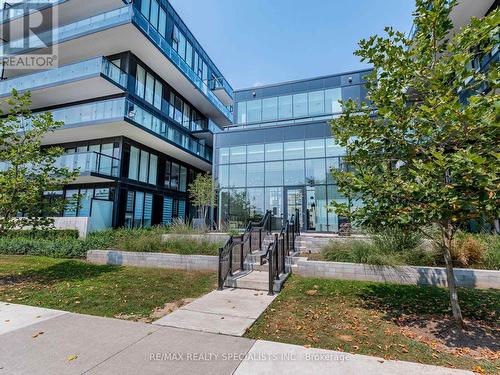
67 343
228 311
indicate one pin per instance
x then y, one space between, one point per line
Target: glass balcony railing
86 163
65 73
170 132
90 163
174 57
117 109
20 9
221 83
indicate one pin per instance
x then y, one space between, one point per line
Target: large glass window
315 171
162 24
189 54
332 98
238 154
274 173
242 112
274 200
155 8
140 82
315 148
153 168
294 172
316 103
183 179
182 46
255 153
224 176
294 150
133 169
333 148
150 87
237 175
144 166
274 151
269 109
285 107
174 176
224 155
254 111
300 105
331 163
148 210
316 210
158 95
257 203
145 5
138 209
255 174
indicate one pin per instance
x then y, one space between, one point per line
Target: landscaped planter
210 237
436 276
154 260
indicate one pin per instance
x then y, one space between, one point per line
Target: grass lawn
385 320
76 286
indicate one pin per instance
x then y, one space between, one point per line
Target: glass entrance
295 201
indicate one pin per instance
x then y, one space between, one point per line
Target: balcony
92 166
75 82
125 29
222 90
121 117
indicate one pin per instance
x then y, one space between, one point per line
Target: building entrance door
295 201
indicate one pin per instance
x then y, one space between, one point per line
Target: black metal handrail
283 245
246 242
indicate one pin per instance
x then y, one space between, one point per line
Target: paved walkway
40 341
229 312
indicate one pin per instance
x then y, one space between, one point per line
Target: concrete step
257 280
249 266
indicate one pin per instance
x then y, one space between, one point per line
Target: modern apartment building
145 110
140 99
278 154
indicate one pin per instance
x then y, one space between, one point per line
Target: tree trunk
447 233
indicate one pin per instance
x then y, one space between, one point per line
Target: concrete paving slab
13 316
244 303
206 322
91 339
267 357
229 312
177 351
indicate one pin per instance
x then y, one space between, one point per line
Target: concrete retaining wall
210 237
435 276
154 260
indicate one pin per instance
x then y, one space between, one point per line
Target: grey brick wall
154 260
400 275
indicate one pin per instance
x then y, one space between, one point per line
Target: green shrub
394 240
44 234
57 248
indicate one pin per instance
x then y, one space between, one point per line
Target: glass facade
282 177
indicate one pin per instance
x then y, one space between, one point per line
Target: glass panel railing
170 132
72 30
79 70
221 83
167 49
16 10
90 162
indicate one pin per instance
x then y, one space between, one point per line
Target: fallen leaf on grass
312 292
479 370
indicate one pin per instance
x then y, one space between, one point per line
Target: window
237 175
300 105
187 116
150 88
155 8
274 173
332 98
255 153
315 148
269 109
238 154
174 177
242 112
274 200
175 38
256 200
294 172
255 174
333 148
274 151
294 150
315 171
145 5
205 72
254 110
195 62
224 155
138 209
189 54
183 179
224 176
133 169
153 168
331 163
167 174
158 95
140 82
316 103
148 210
285 107
144 166
162 23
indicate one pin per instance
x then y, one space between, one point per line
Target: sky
257 42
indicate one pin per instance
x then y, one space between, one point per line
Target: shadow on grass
64 271
428 309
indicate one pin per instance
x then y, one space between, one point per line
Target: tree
202 194
424 149
27 171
